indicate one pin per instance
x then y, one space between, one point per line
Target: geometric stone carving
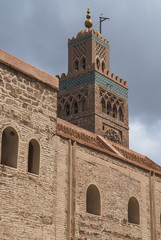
113 136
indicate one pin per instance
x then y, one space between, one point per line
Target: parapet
92 68
87 32
92 140
29 69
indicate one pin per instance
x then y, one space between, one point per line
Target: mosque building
66 170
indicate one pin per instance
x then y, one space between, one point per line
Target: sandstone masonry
87 184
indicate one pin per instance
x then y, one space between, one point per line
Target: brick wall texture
101 98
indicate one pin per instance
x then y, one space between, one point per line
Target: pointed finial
88 22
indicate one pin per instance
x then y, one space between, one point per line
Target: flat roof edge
28 69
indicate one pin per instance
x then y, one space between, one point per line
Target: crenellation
92 68
113 76
63 76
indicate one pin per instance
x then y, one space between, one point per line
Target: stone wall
157 207
85 115
117 182
52 204
88 44
105 124
28 201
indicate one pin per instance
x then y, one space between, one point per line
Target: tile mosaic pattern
113 86
93 77
77 81
77 41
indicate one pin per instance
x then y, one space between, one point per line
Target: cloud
146 139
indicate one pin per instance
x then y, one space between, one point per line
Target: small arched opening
34 157
103 105
108 108
98 63
67 109
114 111
9 150
83 63
76 65
133 211
84 105
93 201
121 116
103 66
75 105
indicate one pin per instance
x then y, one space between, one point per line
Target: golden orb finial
88 23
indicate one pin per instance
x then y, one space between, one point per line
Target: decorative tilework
77 81
93 77
86 38
113 86
100 41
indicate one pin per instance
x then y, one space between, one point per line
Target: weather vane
101 20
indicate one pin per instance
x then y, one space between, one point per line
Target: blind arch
9 149
133 211
93 201
34 156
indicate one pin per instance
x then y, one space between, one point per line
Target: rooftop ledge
29 69
92 140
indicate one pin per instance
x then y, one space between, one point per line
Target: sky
37 32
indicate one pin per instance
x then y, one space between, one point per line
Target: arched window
76 65
121 116
84 105
93 202
108 108
114 111
98 63
84 63
133 211
103 105
9 151
75 107
103 66
67 109
34 156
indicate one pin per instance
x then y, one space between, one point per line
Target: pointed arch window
121 116
93 201
103 66
103 105
84 105
108 108
9 150
76 65
34 157
75 107
67 109
98 63
133 211
84 63
114 111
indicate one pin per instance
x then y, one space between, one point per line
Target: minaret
90 96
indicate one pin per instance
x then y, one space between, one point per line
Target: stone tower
90 96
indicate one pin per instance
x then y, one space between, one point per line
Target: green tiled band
113 86
73 43
93 77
